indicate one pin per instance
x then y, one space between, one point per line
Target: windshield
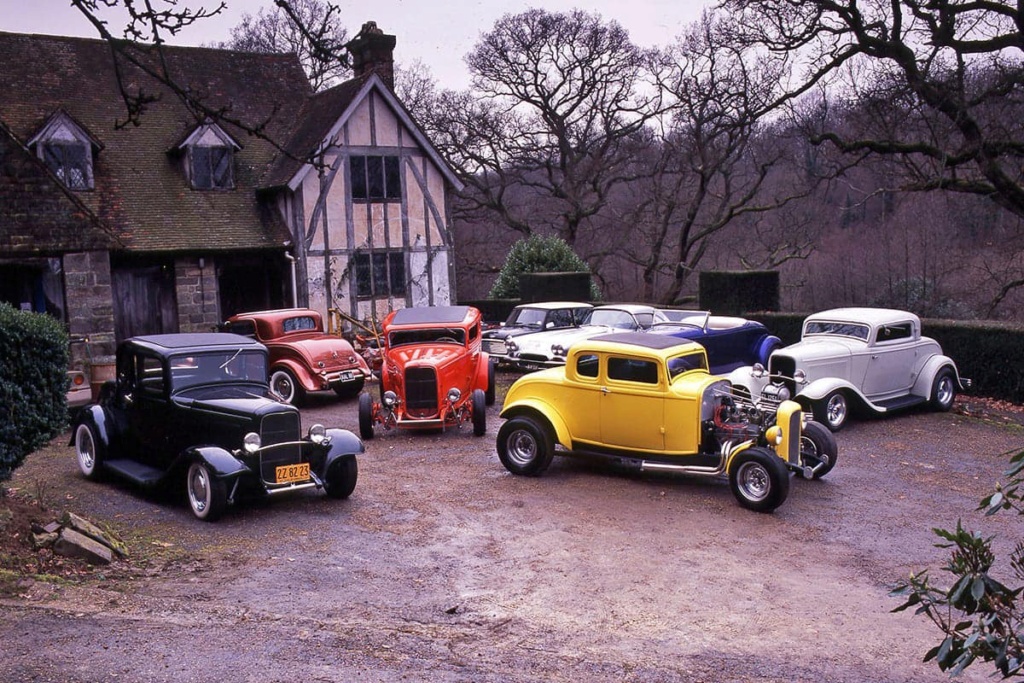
215 367
526 317
610 317
677 365
443 335
843 329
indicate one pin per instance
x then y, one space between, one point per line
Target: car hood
821 349
511 331
426 354
244 400
541 342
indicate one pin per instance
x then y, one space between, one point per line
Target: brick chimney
373 50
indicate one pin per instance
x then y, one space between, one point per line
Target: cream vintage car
647 401
871 359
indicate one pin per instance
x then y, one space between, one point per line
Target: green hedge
33 384
990 354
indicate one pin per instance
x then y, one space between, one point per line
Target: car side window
888 333
587 365
633 370
246 328
559 318
151 375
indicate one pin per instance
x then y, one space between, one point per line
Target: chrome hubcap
945 392
198 488
753 481
522 447
86 449
836 410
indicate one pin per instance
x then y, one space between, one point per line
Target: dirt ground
444 567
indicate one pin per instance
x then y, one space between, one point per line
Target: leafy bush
537 254
979 618
33 384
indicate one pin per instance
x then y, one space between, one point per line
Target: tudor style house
179 219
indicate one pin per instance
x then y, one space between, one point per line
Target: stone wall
90 305
196 291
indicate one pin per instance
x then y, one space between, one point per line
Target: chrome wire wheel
753 481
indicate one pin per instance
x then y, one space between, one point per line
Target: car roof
550 305
865 315
166 344
275 313
641 340
632 308
426 315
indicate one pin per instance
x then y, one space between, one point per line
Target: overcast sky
436 32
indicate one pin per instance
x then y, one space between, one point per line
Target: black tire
832 411
350 389
492 388
87 451
525 446
759 479
943 391
284 384
478 404
341 478
365 417
818 449
207 495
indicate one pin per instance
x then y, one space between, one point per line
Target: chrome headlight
511 346
800 377
454 395
557 350
389 398
317 433
251 442
758 370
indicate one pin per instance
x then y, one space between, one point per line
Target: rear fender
481 371
102 426
923 384
544 411
298 371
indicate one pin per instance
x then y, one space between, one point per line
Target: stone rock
44 539
84 526
71 543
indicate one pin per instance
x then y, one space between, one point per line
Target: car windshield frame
538 316
220 366
679 365
427 335
620 319
836 328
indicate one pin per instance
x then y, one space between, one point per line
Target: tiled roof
38 215
141 191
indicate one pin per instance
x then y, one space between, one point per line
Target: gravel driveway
443 567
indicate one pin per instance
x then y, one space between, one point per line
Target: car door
633 404
581 402
149 413
892 361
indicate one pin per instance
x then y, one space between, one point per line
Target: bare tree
952 66
714 157
311 29
555 98
139 44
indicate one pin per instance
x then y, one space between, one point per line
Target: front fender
744 377
482 372
222 462
343 443
534 406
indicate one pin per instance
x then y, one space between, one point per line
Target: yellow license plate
289 473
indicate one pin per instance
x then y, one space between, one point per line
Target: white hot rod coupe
873 359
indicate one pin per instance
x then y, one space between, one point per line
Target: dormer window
67 150
210 158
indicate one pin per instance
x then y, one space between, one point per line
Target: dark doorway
252 282
144 301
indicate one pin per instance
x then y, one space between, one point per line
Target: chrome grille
420 392
275 429
495 347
